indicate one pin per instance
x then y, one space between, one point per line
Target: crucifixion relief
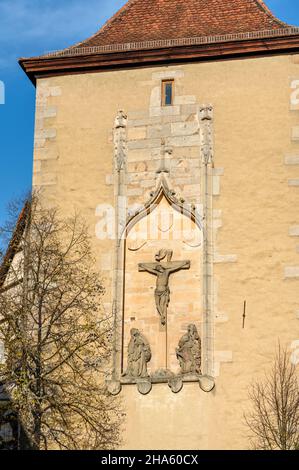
163 272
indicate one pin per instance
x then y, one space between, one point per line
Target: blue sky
31 27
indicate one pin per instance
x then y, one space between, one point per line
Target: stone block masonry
45 149
148 129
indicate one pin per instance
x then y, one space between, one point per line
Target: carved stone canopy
179 204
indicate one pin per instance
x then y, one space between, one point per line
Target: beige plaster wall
255 217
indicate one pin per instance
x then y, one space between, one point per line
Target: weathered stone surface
295 133
162 375
225 258
50 112
144 122
155 99
45 179
144 387
176 384
292 272
217 213
139 155
141 176
192 191
169 74
46 153
144 144
207 384
216 185
48 133
137 133
218 171
148 183
39 143
166 111
55 91
114 387
159 131
188 109
216 224
224 356
186 181
134 192
109 180
294 182
184 99
291 160
106 263
184 128
184 141
138 115
37 166
294 231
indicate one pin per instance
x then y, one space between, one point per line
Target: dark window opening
167 92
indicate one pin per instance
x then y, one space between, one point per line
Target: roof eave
37 67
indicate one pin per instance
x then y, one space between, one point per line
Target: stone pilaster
45 149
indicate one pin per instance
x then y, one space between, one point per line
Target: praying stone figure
189 352
163 272
139 354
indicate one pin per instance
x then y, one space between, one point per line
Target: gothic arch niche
162 229
165 232
128 246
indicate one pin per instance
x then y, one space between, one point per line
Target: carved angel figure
189 352
139 354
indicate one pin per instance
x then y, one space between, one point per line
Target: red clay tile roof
157 32
149 20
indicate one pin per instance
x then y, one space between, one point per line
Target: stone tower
173 131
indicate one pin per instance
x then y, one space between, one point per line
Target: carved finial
120 120
206 119
206 112
120 125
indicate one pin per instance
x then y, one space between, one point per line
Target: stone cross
163 272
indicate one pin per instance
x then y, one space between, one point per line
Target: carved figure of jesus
163 272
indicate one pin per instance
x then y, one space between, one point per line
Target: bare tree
274 420
57 337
